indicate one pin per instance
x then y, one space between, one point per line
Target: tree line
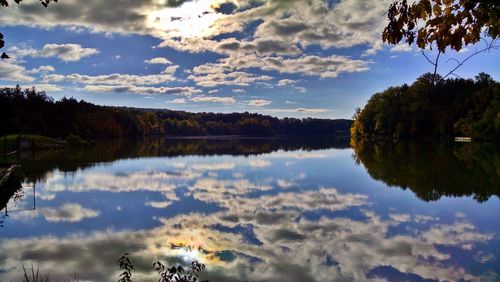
32 111
451 107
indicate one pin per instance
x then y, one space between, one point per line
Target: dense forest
32 111
448 108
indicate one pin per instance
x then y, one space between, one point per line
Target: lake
257 210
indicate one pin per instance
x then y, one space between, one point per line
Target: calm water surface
258 210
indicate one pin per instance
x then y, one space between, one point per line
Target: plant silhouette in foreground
178 274
34 276
172 274
127 267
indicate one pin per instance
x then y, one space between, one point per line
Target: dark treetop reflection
432 171
269 210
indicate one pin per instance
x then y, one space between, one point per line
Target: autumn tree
443 24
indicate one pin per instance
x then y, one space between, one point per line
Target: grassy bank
11 143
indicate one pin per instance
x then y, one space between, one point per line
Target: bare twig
429 60
489 47
436 68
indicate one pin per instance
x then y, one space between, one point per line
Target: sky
295 58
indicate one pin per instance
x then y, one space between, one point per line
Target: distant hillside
453 107
31 111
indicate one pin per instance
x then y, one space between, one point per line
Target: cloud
299 110
68 213
170 70
159 61
208 76
64 52
214 166
300 89
144 90
259 103
191 23
223 100
325 67
178 101
239 91
266 46
283 28
285 82
402 47
42 69
111 79
259 163
159 205
48 87
12 72
282 183
268 233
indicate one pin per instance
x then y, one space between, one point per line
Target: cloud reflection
260 233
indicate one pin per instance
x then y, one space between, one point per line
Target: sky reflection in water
281 216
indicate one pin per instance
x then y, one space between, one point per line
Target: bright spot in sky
191 19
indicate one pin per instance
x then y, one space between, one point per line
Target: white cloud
239 91
159 205
12 72
111 79
159 60
68 213
402 47
48 87
170 70
208 76
259 103
299 110
300 89
325 67
42 69
178 101
64 52
223 100
144 90
259 163
285 82
214 166
278 43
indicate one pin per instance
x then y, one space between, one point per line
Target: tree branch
436 68
489 47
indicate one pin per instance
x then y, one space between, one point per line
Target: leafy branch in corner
443 24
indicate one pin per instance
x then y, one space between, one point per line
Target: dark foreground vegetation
452 107
31 111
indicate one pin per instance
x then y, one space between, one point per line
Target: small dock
463 139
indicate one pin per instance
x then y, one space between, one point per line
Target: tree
448 23
444 24
5 3
456 107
